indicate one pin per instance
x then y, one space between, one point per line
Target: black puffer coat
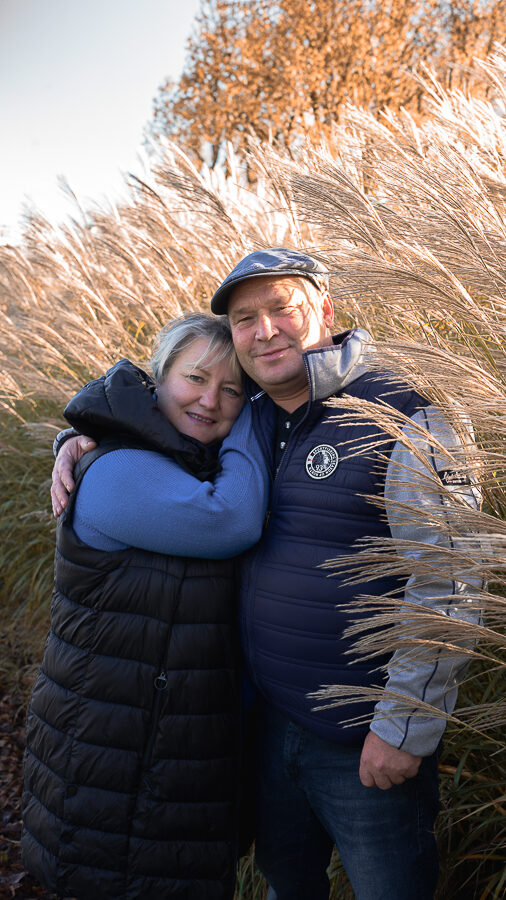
131 763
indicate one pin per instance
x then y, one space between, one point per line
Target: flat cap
275 261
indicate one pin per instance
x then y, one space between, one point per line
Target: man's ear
328 310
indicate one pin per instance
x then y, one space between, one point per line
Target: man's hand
382 765
63 482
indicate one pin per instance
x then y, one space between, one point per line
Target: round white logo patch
322 461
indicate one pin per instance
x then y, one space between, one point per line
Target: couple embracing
203 502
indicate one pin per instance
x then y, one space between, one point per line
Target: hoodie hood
331 369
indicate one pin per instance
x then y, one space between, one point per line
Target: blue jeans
309 796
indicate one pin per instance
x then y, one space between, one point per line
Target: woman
132 729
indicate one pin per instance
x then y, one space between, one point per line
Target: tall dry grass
412 222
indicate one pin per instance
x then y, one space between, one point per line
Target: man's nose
265 328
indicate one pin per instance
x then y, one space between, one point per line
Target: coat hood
122 404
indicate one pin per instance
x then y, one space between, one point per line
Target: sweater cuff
417 734
61 437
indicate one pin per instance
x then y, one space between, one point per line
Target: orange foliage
284 68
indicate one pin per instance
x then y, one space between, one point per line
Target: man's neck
288 401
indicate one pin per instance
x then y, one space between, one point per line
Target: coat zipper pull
161 681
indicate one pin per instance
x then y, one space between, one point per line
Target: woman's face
202 400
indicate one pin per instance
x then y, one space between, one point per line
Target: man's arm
63 470
397 741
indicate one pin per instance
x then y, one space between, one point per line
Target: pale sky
77 81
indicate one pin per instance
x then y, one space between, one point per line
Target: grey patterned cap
276 261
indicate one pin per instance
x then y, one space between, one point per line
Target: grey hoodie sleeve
61 437
434 675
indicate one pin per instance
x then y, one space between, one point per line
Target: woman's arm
143 499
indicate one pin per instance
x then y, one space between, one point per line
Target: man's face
274 320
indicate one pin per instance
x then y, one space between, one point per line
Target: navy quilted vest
290 627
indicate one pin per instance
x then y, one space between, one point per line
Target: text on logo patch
321 461
454 478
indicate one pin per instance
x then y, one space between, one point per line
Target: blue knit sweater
140 498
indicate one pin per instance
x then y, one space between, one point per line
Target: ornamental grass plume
74 297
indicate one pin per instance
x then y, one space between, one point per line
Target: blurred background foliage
286 69
399 184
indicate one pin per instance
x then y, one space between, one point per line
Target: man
372 791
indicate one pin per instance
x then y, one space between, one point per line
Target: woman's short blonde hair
180 333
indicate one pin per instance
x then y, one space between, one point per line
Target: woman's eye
232 392
197 379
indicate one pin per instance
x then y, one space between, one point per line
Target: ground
14 880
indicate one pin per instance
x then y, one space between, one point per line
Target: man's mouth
271 354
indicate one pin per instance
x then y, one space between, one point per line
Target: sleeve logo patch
322 461
453 478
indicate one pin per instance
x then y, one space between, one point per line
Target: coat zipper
160 684
252 584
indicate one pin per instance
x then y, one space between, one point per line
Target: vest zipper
160 683
252 583
291 436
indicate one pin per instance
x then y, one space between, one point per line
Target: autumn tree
285 68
